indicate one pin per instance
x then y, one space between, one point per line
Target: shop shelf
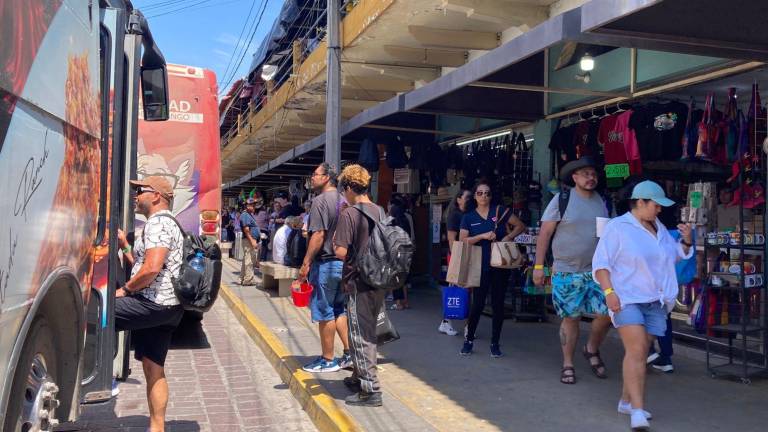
737 328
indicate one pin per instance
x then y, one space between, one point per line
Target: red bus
185 149
70 79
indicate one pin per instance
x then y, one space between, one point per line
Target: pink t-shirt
619 142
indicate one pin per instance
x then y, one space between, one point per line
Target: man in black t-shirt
363 302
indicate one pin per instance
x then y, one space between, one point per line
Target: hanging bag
385 330
704 142
504 254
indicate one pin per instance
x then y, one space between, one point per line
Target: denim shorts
328 301
576 294
653 316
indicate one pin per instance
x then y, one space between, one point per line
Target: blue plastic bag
455 303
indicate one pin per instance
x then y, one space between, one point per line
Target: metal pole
333 88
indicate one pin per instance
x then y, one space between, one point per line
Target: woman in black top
482 226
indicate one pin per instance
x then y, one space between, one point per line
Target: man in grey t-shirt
327 304
574 292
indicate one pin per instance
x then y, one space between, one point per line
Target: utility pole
333 87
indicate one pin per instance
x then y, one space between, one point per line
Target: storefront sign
617 170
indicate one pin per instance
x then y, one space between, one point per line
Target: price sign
696 198
617 170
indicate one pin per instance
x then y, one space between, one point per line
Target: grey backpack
386 261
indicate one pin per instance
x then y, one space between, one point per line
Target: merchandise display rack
746 353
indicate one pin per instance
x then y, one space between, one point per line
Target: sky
207 33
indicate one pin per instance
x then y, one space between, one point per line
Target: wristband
608 291
127 249
686 243
538 267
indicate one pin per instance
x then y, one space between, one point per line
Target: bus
185 149
71 75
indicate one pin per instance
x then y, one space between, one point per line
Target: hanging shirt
642 265
562 144
659 130
585 138
619 142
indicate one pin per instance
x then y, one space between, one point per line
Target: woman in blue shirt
482 226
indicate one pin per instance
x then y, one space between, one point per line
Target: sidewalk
428 386
219 381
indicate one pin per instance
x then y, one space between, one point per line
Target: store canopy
509 82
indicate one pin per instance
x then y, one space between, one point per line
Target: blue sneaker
345 361
467 348
321 365
496 351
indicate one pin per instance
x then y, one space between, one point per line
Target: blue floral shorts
576 294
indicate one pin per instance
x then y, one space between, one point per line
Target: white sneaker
638 421
447 328
651 358
115 388
626 408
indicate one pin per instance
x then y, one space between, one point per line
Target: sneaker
345 361
365 399
638 421
467 348
390 298
115 388
447 328
663 365
652 358
496 351
626 408
321 365
352 384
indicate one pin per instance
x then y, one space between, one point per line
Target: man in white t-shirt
146 305
280 242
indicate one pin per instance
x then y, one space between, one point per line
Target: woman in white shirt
635 266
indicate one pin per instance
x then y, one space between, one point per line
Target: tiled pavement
219 381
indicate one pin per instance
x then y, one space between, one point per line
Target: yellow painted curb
322 409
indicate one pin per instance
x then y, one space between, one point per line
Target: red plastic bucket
301 293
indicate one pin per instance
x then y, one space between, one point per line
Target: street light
587 63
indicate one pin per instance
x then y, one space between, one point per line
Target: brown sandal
595 367
568 378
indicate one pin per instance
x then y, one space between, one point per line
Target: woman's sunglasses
483 193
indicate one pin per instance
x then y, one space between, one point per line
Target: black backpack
386 261
195 291
296 249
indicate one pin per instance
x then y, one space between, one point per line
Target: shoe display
496 351
365 399
345 361
626 408
321 365
467 348
447 328
638 421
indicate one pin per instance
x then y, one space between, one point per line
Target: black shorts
151 325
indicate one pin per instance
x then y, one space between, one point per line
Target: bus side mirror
154 93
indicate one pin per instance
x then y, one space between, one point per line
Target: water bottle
198 262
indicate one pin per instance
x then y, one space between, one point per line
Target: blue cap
652 191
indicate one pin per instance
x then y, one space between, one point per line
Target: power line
162 4
239 38
183 8
250 40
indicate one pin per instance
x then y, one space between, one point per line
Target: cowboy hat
571 167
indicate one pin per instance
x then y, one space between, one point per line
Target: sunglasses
483 193
139 191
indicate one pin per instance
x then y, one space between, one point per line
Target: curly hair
356 178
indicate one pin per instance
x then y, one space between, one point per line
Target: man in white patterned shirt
146 305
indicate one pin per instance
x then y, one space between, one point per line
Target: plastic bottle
198 262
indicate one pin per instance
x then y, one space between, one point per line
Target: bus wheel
33 395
